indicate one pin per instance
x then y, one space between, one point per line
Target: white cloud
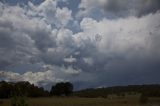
34 78
51 13
48 8
122 35
71 71
88 24
64 15
70 59
88 61
51 73
64 37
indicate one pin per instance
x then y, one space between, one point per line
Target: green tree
62 88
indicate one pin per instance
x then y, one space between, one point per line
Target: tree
5 89
8 89
18 101
68 88
61 89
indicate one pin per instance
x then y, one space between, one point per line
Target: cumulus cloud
32 77
51 74
118 38
48 11
64 15
23 34
124 43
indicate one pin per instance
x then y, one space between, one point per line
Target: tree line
145 90
23 88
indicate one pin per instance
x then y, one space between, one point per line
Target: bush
18 101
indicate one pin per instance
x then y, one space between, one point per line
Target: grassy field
126 101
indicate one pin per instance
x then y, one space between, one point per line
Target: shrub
18 101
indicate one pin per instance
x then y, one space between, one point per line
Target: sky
91 43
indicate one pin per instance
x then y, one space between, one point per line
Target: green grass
126 101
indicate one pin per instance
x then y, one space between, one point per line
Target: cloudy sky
91 43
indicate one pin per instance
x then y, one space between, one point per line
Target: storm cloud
116 8
38 45
132 7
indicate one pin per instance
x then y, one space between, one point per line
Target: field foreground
129 101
